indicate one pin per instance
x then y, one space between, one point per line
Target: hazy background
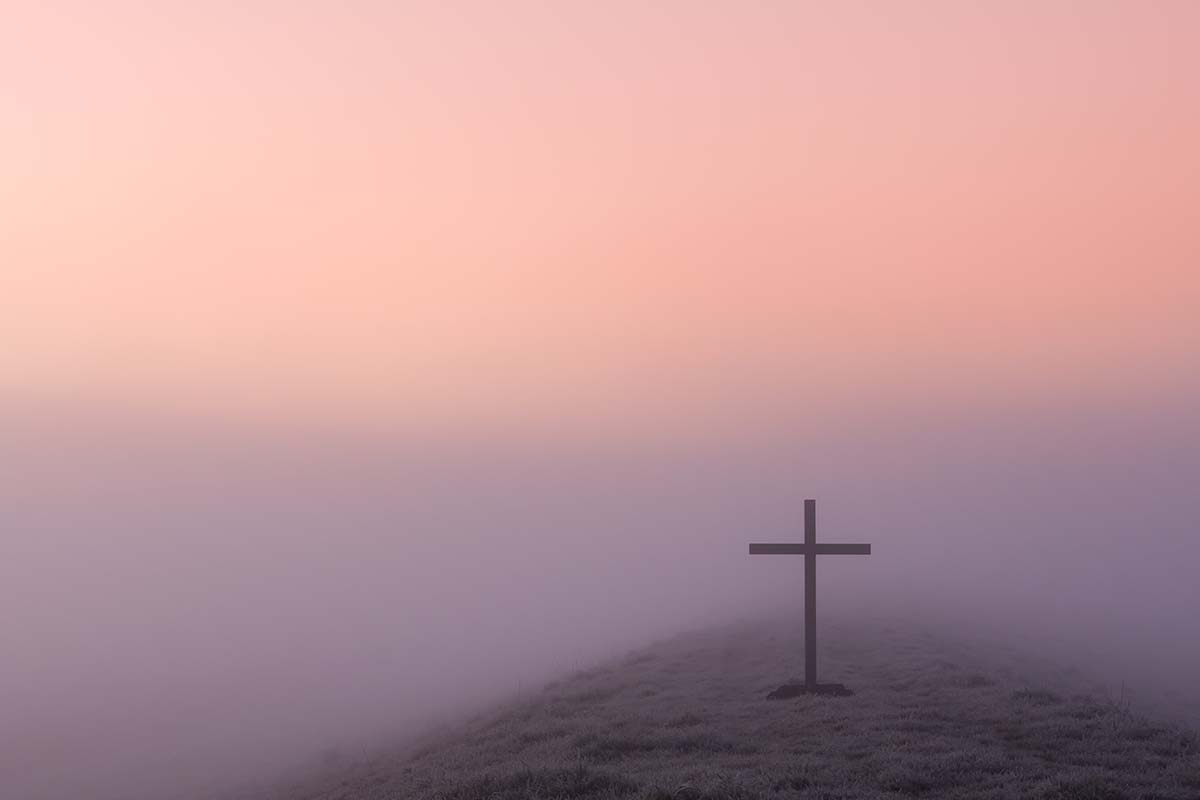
364 362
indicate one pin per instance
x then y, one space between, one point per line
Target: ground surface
688 718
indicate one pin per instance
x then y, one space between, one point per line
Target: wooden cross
810 550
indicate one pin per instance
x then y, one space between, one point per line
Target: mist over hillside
690 718
190 608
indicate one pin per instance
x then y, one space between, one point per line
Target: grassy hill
688 718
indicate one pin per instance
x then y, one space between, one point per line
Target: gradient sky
935 263
597 216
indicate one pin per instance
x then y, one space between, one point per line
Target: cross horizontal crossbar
813 549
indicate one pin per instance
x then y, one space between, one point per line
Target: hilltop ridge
687 718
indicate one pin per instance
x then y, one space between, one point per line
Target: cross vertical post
810 595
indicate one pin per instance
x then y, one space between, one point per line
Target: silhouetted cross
810 550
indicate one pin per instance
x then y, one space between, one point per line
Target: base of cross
789 690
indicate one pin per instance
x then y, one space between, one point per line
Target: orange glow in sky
596 214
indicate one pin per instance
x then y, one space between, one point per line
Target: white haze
186 610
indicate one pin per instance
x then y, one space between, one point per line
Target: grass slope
687 718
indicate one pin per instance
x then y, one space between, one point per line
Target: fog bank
190 608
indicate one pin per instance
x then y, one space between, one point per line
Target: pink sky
597 215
